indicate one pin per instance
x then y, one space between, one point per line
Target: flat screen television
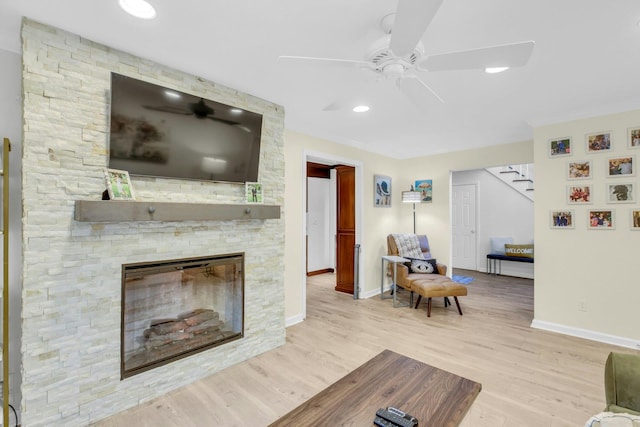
162 132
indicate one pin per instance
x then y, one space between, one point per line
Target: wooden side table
395 260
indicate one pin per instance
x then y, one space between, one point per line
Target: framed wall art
560 147
635 220
621 166
118 184
620 193
634 137
381 191
578 194
597 142
601 219
253 192
562 219
425 187
579 170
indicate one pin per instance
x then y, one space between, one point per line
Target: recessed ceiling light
361 108
493 70
138 8
236 111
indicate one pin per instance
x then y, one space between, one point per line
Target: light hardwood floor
529 377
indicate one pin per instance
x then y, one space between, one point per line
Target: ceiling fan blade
227 122
417 90
336 61
168 109
410 23
507 55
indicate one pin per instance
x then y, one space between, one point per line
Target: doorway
356 222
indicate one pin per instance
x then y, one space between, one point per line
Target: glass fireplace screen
173 309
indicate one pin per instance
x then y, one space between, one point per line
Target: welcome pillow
524 251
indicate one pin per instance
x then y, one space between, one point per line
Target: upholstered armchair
622 383
425 285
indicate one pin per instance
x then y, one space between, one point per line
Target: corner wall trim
586 334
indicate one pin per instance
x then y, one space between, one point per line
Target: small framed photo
118 184
620 193
621 166
560 147
381 191
253 192
562 219
634 137
578 194
635 220
579 170
600 141
425 187
601 219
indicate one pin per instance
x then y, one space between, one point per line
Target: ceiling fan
400 54
199 110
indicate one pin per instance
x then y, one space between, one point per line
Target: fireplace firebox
173 309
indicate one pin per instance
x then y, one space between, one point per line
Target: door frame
319 157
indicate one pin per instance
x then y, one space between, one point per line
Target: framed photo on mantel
118 184
253 192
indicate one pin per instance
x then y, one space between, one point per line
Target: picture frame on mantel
118 184
253 192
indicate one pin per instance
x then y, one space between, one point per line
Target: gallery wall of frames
609 205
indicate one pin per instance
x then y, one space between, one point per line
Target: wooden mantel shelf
126 210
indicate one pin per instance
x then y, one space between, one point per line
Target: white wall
501 212
586 280
10 127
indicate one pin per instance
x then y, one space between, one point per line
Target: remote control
394 417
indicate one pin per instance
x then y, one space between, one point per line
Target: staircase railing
518 177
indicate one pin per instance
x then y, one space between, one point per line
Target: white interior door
319 222
464 226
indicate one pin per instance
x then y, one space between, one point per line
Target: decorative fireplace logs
184 327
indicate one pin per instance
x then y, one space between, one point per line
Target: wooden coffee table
435 397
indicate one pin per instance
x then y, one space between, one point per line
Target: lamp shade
411 197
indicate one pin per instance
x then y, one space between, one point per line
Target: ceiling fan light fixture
361 108
171 94
138 8
494 70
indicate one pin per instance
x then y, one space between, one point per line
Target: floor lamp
414 197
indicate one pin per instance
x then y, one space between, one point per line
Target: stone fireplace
72 311
177 308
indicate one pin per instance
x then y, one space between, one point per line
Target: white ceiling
586 61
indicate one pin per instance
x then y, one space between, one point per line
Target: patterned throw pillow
425 266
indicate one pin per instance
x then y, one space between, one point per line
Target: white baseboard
293 320
374 292
586 334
